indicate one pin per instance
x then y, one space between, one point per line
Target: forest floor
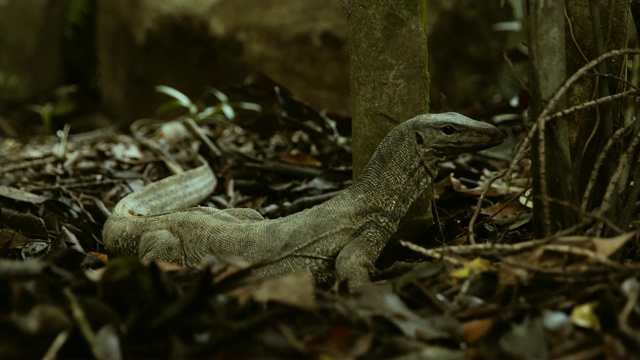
497 293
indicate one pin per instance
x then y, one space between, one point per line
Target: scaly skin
341 237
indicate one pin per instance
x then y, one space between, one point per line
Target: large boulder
30 47
189 44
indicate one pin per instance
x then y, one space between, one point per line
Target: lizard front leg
161 245
356 261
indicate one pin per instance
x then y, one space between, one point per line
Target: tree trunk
389 81
548 72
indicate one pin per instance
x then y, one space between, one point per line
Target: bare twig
576 273
623 164
197 130
539 129
506 58
542 169
432 253
84 184
593 215
624 316
592 103
488 248
573 36
502 249
81 319
27 164
587 253
487 186
599 162
553 103
56 345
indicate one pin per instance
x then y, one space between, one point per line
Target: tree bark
389 81
548 71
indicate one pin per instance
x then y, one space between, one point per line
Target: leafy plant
224 110
60 106
45 111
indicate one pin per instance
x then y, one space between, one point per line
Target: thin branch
539 129
553 102
542 169
599 162
80 317
479 205
594 215
623 164
592 103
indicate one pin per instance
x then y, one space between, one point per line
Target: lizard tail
175 192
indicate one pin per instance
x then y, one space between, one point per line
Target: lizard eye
419 139
448 129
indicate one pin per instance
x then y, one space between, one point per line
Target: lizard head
448 134
439 136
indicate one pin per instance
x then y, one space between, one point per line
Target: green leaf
181 98
247 106
218 94
228 111
173 104
206 113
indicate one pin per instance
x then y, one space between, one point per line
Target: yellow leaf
473 267
583 316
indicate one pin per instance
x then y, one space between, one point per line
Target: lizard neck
393 179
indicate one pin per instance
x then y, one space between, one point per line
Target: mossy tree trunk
389 81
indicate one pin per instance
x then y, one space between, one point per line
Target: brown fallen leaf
295 289
300 159
104 258
607 247
501 210
13 238
476 329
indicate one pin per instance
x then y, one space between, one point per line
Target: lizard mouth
487 141
481 147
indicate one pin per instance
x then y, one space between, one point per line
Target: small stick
599 162
594 215
197 130
553 102
592 103
623 164
487 186
27 164
81 319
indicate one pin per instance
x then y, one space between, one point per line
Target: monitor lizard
340 238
